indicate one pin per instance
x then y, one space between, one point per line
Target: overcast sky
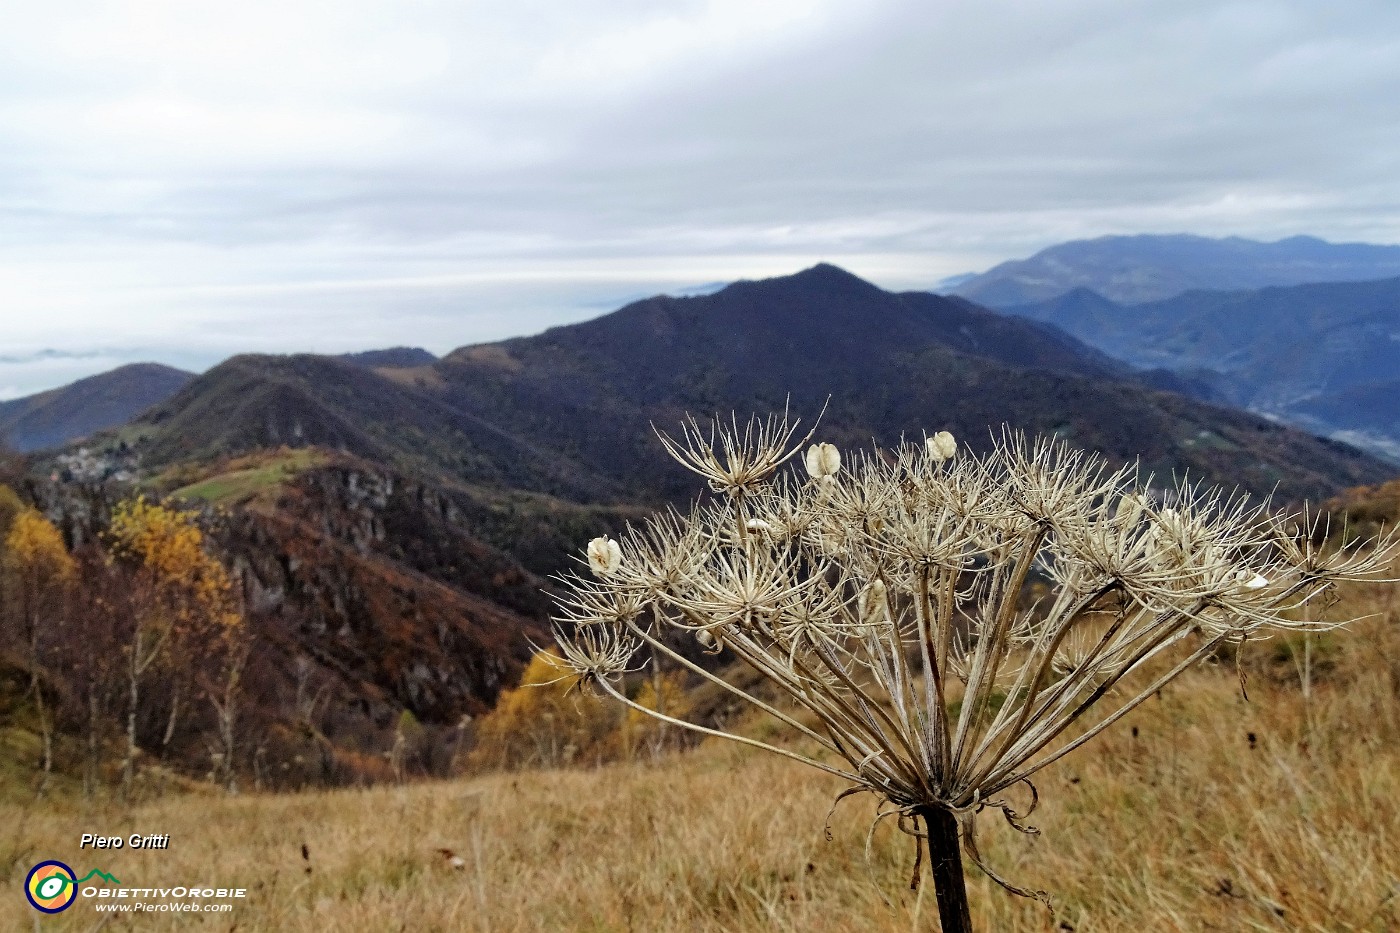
185 180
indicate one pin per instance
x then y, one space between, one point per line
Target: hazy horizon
184 181
576 299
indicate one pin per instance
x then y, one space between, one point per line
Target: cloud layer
187 179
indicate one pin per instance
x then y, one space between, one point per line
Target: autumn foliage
36 578
90 630
184 585
548 721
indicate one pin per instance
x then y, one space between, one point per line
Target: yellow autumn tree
643 733
37 573
179 595
544 722
10 506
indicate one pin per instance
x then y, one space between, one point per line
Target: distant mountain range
1323 356
111 399
96 403
569 413
1135 269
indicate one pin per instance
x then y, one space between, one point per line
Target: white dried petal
942 446
823 460
604 556
1253 581
872 602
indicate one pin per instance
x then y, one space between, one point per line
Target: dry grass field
1203 811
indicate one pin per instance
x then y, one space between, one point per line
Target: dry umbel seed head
888 599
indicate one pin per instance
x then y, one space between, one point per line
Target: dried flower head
735 461
891 603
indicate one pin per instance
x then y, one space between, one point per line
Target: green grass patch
240 485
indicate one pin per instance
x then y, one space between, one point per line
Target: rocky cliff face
382 584
380 580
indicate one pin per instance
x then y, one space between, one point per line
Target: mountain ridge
1149 267
929 350
391 358
254 401
95 403
569 412
1322 355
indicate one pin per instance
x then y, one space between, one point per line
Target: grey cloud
534 176
42 356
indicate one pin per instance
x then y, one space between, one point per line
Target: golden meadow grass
1174 820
